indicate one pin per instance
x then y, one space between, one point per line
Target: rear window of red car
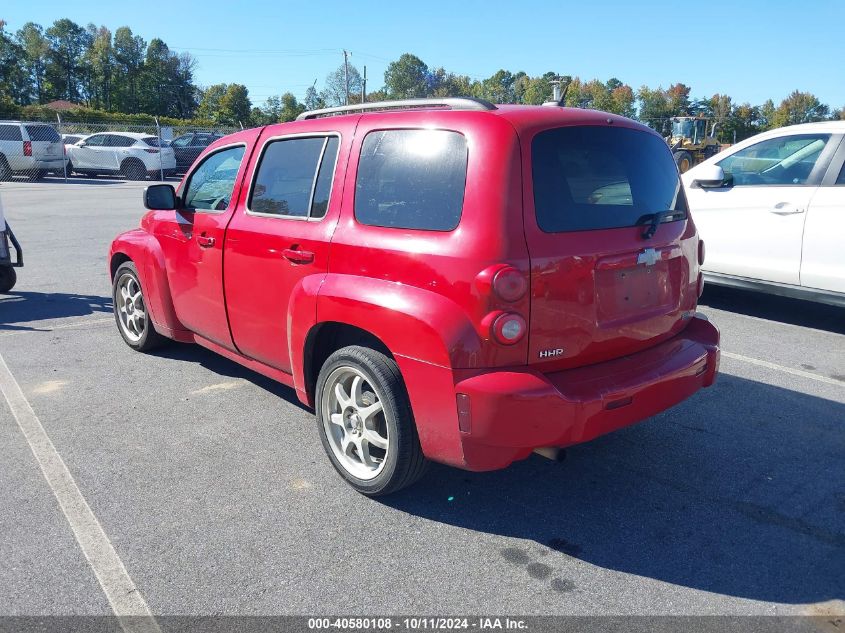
591 177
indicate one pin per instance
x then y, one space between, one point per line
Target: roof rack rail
455 103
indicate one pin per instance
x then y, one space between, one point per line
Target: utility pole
346 74
364 86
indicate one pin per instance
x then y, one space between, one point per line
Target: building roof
61 104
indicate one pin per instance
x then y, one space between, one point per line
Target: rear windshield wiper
656 219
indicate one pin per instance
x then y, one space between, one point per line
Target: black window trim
286 137
404 128
190 176
836 166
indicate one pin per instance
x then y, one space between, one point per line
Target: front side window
594 177
98 140
294 177
411 179
787 160
211 184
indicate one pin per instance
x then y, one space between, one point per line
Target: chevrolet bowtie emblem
649 257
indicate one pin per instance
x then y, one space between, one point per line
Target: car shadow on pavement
29 307
189 352
739 491
773 308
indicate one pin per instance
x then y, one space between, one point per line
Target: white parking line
126 601
786 370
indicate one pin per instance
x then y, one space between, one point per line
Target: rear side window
411 179
10 133
590 177
211 184
42 133
152 141
294 177
115 140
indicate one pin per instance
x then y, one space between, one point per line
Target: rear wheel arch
323 339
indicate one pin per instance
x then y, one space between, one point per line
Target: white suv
771 210
132 155
29 149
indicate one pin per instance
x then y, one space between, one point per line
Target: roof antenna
559 89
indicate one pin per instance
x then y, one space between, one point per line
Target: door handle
784 208
296 256
204 241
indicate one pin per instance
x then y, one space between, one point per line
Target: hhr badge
649 257
551 353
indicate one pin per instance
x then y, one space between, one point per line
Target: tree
407 78
498 88
313 100
767 115
99 58
129 59
235 107
14 84
799 107
290 108
538 90
68 43
209 105
35 47
334 93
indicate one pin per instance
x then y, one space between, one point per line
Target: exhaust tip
551 452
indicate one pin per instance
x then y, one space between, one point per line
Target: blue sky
751 50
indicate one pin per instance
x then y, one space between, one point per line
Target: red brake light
27 148
509 284
700 252
151 151
509 328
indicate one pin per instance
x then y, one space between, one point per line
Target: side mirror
710 177
160 198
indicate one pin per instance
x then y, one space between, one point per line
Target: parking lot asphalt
212 487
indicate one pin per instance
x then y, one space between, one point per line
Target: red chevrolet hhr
441 280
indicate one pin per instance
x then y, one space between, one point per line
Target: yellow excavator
692 141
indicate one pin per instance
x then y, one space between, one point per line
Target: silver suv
29 149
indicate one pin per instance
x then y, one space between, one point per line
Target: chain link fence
38 149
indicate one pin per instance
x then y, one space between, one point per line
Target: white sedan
134 156
771 212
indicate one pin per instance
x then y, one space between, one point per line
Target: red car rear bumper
511 412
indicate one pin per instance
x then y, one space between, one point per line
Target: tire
683 159
136 329
8 278
364 464
134 170
5 170
68 170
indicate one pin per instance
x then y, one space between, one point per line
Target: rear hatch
46 142
613 252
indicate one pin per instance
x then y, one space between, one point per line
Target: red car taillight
151 151
508 328
27 148
509 284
